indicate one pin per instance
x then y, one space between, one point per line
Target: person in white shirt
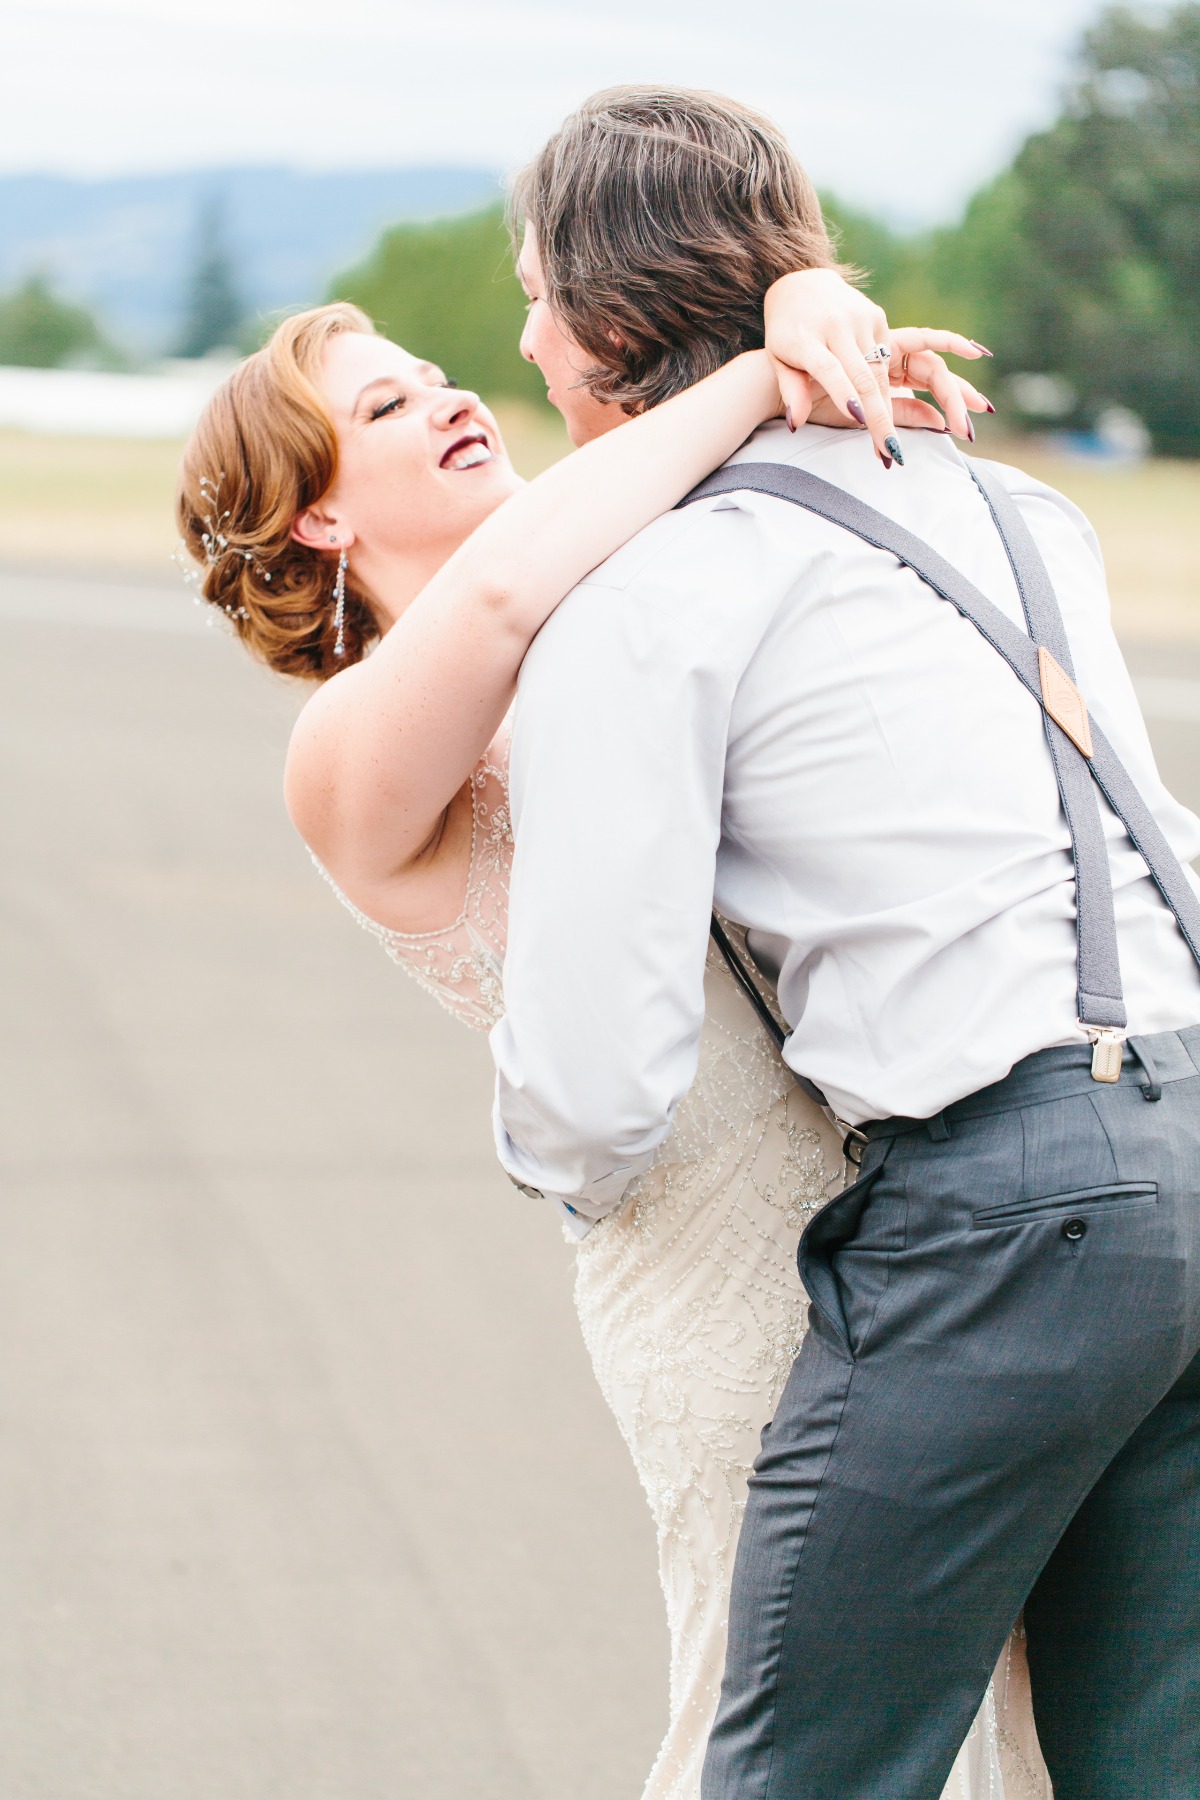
756 707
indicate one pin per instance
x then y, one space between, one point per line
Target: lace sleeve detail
461 964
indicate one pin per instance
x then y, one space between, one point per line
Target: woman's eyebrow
379 381
424 369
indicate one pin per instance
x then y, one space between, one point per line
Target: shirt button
1074 1229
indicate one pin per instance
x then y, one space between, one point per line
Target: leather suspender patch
1064 702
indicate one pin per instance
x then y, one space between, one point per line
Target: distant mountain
126 246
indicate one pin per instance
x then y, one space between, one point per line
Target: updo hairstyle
265 449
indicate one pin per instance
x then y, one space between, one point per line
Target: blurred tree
1082 260
898 271
1113 198
448 290
214 312
40 331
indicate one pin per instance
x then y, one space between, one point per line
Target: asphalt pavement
306 1492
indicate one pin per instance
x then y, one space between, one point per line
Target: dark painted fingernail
892 446
970 430
856 411
885 460
787 413
982 347
987 403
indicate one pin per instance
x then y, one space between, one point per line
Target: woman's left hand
918 361
821 333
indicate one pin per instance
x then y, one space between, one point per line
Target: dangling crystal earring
339 606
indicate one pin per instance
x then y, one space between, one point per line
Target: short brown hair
662 216
265 448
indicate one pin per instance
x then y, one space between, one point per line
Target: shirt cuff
580 1210
573 1219
574 1224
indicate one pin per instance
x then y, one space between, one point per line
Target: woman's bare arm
379 753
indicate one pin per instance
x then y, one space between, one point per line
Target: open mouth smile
469 452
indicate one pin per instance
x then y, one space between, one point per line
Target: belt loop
1152 1086
939 1131
854 1144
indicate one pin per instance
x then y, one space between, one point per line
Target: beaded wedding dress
692 1310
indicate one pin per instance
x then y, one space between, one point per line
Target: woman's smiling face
420 462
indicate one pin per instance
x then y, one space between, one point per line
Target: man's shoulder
651 550
704 534
732 556
1036 498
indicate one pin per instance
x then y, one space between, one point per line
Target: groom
812 694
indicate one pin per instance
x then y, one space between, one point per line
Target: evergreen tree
214 311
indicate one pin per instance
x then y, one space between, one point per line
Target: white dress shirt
747 702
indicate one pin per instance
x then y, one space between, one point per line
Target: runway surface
306 1492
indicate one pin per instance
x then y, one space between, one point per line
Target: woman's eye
450 382
389 406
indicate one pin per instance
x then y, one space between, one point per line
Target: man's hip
998 1303
1024 1202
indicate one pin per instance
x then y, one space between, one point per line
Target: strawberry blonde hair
264 449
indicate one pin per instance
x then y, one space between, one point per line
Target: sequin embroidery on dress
691 1307
461 964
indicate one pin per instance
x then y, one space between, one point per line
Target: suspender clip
1108 1050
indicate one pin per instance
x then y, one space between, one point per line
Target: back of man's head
661 217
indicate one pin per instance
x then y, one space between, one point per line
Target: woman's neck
390 583
390 580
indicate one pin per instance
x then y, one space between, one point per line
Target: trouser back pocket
1113 1196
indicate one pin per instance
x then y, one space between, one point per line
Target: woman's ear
318 529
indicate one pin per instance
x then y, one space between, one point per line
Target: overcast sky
903 109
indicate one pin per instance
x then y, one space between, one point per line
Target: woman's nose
455 406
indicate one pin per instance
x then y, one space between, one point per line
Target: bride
344 497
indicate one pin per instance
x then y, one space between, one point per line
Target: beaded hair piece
216 543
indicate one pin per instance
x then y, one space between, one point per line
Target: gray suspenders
1080 752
